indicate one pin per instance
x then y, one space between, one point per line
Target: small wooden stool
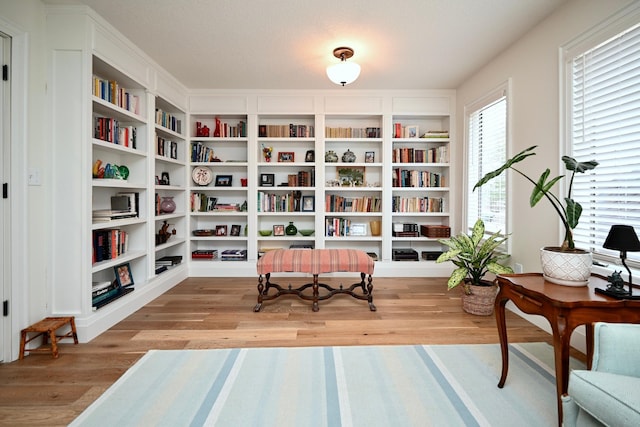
47 328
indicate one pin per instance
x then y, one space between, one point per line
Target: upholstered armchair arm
617 348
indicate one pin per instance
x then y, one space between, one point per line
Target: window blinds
487 142
606 127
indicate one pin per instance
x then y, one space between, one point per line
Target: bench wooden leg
316 293
258 306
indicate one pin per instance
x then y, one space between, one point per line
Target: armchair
608 394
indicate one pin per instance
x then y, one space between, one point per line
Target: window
486 151
602 79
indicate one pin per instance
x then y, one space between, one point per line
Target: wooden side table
47 329
565 307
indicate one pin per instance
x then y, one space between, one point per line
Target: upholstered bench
315 262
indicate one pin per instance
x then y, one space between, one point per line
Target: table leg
561 348
316 293
589 334
500 304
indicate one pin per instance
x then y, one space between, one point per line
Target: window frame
502 90
618 23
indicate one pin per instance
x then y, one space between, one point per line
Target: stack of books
166 262
205 254
234 255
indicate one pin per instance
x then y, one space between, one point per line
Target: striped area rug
431 385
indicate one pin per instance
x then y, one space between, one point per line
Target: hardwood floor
218 313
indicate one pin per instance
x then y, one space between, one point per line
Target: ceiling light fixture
343 72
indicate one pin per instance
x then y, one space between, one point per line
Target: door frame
17 290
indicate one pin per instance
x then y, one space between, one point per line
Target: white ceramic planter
566 268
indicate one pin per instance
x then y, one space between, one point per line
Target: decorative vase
167 205
568 268
480 300
330 157
348 156
291 229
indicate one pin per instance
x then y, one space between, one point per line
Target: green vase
291 229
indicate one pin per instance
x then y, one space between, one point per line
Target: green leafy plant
474 257
569 214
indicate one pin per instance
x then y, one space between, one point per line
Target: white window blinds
487 147
605 96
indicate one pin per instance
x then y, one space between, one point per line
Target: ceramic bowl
306 232
265 232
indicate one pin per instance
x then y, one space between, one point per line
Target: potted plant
474 258
569 214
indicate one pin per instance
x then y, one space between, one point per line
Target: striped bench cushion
315 261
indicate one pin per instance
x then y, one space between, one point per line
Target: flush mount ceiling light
343 72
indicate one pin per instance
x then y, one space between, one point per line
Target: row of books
302 179
110 91
166 148
417 204
110 130
337 203
201 202
109 244
286 131
202 153
234 255
339 132
417 178
414 155
168 121
337 227
269 202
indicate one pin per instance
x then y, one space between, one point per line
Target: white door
5 220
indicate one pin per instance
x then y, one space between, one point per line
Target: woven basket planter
481 301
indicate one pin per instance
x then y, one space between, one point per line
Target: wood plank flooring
218 313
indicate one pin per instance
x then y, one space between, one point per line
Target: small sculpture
617 284
266 152
216 132
348 156
202 131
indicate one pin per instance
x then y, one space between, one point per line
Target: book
204 254
169 260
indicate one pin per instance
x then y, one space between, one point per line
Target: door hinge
5 308
5 190
5 72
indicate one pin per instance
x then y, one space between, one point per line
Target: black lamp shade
622 238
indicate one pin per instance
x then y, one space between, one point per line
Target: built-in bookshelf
420 180
170 188
108 146
218 188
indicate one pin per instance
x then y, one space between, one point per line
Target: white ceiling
287 44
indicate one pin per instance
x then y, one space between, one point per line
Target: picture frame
286 156
308 203
124 275
278 230
310 157
411 132
369 156
359 229
224 180
211 203
235 230
221 230
267 179
352 176
164 178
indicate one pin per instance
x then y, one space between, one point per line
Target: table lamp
624 239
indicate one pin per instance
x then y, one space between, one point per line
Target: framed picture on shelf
370 157
412 132
358 230
224 180
310 156
124 275
211 203
266 179
235 230
174 150
351 176
308 203
286 156
278 230
221 230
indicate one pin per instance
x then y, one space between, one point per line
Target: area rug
431 385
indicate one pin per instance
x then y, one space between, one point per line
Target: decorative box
436 231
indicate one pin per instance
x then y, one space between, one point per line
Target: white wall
533 65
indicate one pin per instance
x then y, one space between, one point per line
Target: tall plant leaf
515 159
